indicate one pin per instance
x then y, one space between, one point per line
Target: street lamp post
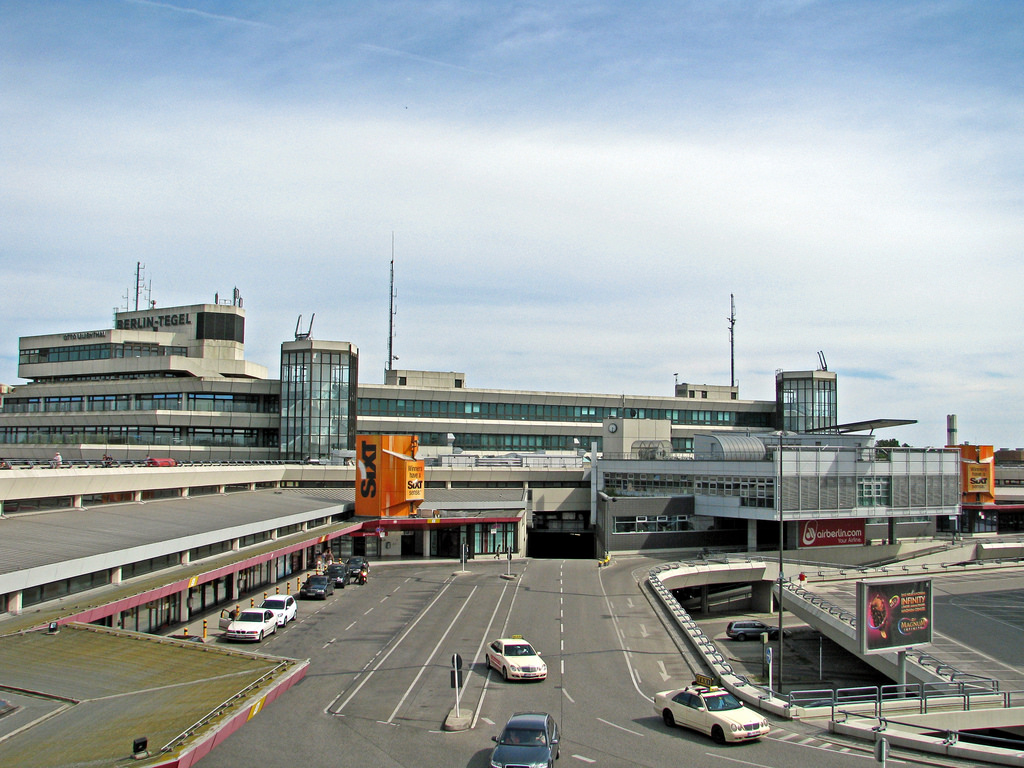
782 542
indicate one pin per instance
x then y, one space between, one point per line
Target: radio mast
391 309
732 341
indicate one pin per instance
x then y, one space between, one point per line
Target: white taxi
284 607
710 710
516 659
252 624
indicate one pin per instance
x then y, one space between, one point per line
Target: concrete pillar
704 607
137 496
115 575
235 545
751 535
186 557
184 493
761 600
14 602
892 530
76 501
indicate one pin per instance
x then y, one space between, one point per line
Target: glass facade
807 401
318 399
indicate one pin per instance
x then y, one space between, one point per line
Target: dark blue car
529 738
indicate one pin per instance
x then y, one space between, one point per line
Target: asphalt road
378 690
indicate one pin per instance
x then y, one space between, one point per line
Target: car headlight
496 764
736 727
514 667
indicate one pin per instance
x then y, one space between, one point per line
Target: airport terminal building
531 473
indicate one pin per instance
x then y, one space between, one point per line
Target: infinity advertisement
893 614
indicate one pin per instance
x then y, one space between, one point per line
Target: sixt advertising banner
978 477
389 477
893 614
832 533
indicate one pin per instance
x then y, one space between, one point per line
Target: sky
574 194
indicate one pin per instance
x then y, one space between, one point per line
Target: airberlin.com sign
831 533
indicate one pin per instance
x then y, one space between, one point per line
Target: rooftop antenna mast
391 309
140 286
732 341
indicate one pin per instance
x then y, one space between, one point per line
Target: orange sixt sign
389 477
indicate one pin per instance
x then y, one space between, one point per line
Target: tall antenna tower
732 341
140 288
391 309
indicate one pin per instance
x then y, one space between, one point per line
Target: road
378 690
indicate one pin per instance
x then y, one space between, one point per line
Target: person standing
57 460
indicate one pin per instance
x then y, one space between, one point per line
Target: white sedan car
710 710
252 624
516 659
283 606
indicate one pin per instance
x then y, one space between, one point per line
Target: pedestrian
57 460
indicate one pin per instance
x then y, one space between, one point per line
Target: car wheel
260 638
741 636
718 734
504 673
666 715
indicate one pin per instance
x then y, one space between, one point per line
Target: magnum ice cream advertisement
893 614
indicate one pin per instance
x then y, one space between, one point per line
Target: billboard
978 477
831 533
893 614
389 477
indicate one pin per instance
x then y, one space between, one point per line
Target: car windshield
317 581
523 737
720 702
251 616
520 649
274 605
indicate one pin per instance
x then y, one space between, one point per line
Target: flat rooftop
85 693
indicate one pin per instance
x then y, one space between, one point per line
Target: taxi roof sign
704 681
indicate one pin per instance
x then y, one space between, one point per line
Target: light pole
782 543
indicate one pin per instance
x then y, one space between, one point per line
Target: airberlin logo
819 533
368 470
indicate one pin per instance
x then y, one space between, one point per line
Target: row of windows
374 406
651 524
134 435
97 352
170 401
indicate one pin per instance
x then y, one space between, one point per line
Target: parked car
749 629
317 586
529 738
160 462
710 710
338 573
516 659
284 607
252 624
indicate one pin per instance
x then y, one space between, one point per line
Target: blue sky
573 189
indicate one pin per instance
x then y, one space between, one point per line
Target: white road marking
661 670
350 626
329 707
566 694
328 643
430 657
616 725
584 759
366 612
